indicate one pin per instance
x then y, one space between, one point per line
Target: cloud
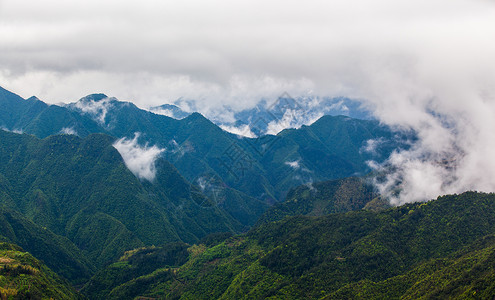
242 130
18 131
292 118
164 112
139 159
68 130
96 109
454 117
153 53
372 145
293 164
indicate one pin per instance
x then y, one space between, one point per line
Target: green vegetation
59 253
323 198
24 277
81 189
134 264
73 204
442 248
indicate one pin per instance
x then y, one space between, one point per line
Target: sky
426 65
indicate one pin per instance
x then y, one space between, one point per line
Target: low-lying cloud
140 160
68 130
96 109
242 130
454 121
293 164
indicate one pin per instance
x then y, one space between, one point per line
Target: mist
140 160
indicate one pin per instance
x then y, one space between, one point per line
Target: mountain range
271 116
123 202
263 168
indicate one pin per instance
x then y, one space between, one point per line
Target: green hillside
58 252
24 277
134 264
81 189
323 198
466 274
439 248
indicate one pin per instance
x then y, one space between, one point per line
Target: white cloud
18 131
68 130
152 52
372 145
293 164
96 109
292 118
139 159
456 137
243 130
164 112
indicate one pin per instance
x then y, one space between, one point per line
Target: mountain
38 118
24 277
263 168
81 189
271 116
438 249
169 110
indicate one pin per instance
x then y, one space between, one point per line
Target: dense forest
440 249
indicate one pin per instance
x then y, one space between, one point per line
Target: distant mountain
272 116
169 110
440 249
25 277
38 118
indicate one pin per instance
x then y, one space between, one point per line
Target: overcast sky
427 65
152 51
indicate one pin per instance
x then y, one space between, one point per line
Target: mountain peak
33 98
94 97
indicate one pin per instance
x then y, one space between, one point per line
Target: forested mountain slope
58 252
403 251
323 198
81 189
24 277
